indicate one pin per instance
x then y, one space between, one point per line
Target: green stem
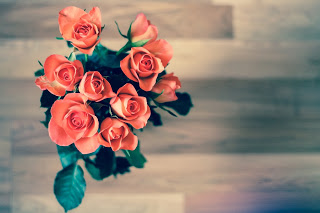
125 48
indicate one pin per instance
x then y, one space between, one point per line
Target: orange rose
168 84
129 107
81 28
73 121
117 135
60 75
143 64
95 87
142 29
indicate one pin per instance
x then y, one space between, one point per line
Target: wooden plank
251 182
39 19
106 202
275 20
230 116
202 59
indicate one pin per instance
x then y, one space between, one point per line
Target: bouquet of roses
97 97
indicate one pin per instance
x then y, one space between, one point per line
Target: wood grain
247 146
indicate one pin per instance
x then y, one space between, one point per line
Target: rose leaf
68 155
182 105
69 187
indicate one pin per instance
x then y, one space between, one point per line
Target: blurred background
251 143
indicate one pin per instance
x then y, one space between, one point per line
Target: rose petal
127 89
140 121
51 63
95 14
87 145
161 49
147 83
58 135
130 142
151 33
67 18
139 26
53 87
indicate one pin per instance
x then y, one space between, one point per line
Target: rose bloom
60 75
129 107
81 28
74 121
168 84
142 29
117 135
95 87
143 64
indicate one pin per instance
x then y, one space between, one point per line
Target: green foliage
69 186
40 63
182 105
72 57
155 95
124 36
135 157
47 99
39 73
68 155
48 117
103 165
59 38
106 164
129 32
139 43
155 118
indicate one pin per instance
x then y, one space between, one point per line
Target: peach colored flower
73 121
142 29
168 84
60 75
130 107
143 64
117 135
95 87
81 28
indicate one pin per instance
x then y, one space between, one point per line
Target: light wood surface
246 146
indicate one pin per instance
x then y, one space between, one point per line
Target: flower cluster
97 97
96 107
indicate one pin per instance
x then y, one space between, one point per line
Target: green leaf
129 32
47 99
103 27
124 36
68 155
59 38
69 187
155 118
69 44
135 157
123 166
182 105
40 63
39 73
103 165
155 95
140 43
72 57
48 117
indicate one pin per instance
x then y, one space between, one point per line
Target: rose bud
74 121
168 84
95 87
80 28
143 64
117 135
142 29
130 107
60 75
